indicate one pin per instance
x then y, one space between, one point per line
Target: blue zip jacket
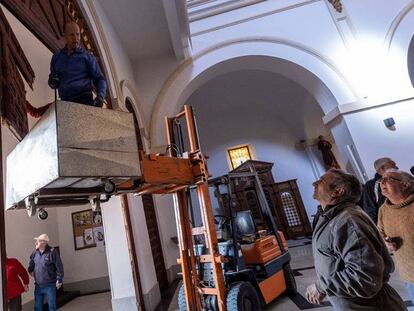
47 267
77 73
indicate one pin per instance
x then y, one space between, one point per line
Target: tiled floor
301 263
98 302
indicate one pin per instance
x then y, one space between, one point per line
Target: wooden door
155 241
293 210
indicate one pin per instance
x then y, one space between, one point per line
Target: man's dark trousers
46 290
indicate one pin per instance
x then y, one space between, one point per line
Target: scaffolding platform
75 154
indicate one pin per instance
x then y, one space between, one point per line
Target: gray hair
381 161
405 177
351 185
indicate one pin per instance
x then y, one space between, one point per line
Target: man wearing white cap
47 269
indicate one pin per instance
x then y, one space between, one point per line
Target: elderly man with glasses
352 262
396 222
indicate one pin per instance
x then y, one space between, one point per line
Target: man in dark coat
352 262
372 198
47 269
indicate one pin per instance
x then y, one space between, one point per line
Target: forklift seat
261 251
245 224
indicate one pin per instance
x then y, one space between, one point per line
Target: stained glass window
239 155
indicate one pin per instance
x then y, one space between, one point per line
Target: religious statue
327 155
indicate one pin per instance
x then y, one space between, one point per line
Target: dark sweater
370 201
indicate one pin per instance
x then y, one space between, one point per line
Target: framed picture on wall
87 229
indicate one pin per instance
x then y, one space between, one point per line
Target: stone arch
128 92
305 66
399 43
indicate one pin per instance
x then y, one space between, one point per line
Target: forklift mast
264 206
174 174
185 168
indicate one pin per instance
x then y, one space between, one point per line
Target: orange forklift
246 267
256 260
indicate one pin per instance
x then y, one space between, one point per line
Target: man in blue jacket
74 71
47 269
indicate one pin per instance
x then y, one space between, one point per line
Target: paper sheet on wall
98 234
79 242
88 234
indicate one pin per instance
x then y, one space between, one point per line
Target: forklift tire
108 187
42 214
291 288
242 296
182 304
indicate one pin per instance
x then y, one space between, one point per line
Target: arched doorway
313 72
271 115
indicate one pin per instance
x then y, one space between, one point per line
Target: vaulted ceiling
142 26
258 95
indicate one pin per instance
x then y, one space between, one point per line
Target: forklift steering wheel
221 219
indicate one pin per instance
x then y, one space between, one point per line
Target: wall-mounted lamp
389 123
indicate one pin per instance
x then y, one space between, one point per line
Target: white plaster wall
119 265
142 244
167 226
150 75
83 264
372 17
120 59
309 25
373 140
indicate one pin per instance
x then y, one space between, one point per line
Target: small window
289 207
239 155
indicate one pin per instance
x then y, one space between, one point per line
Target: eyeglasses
387 179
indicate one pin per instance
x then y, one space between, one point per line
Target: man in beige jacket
396 222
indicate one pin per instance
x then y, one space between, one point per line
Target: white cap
43 237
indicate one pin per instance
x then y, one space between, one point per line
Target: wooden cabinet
284 199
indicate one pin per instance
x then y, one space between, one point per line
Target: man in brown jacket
352 262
